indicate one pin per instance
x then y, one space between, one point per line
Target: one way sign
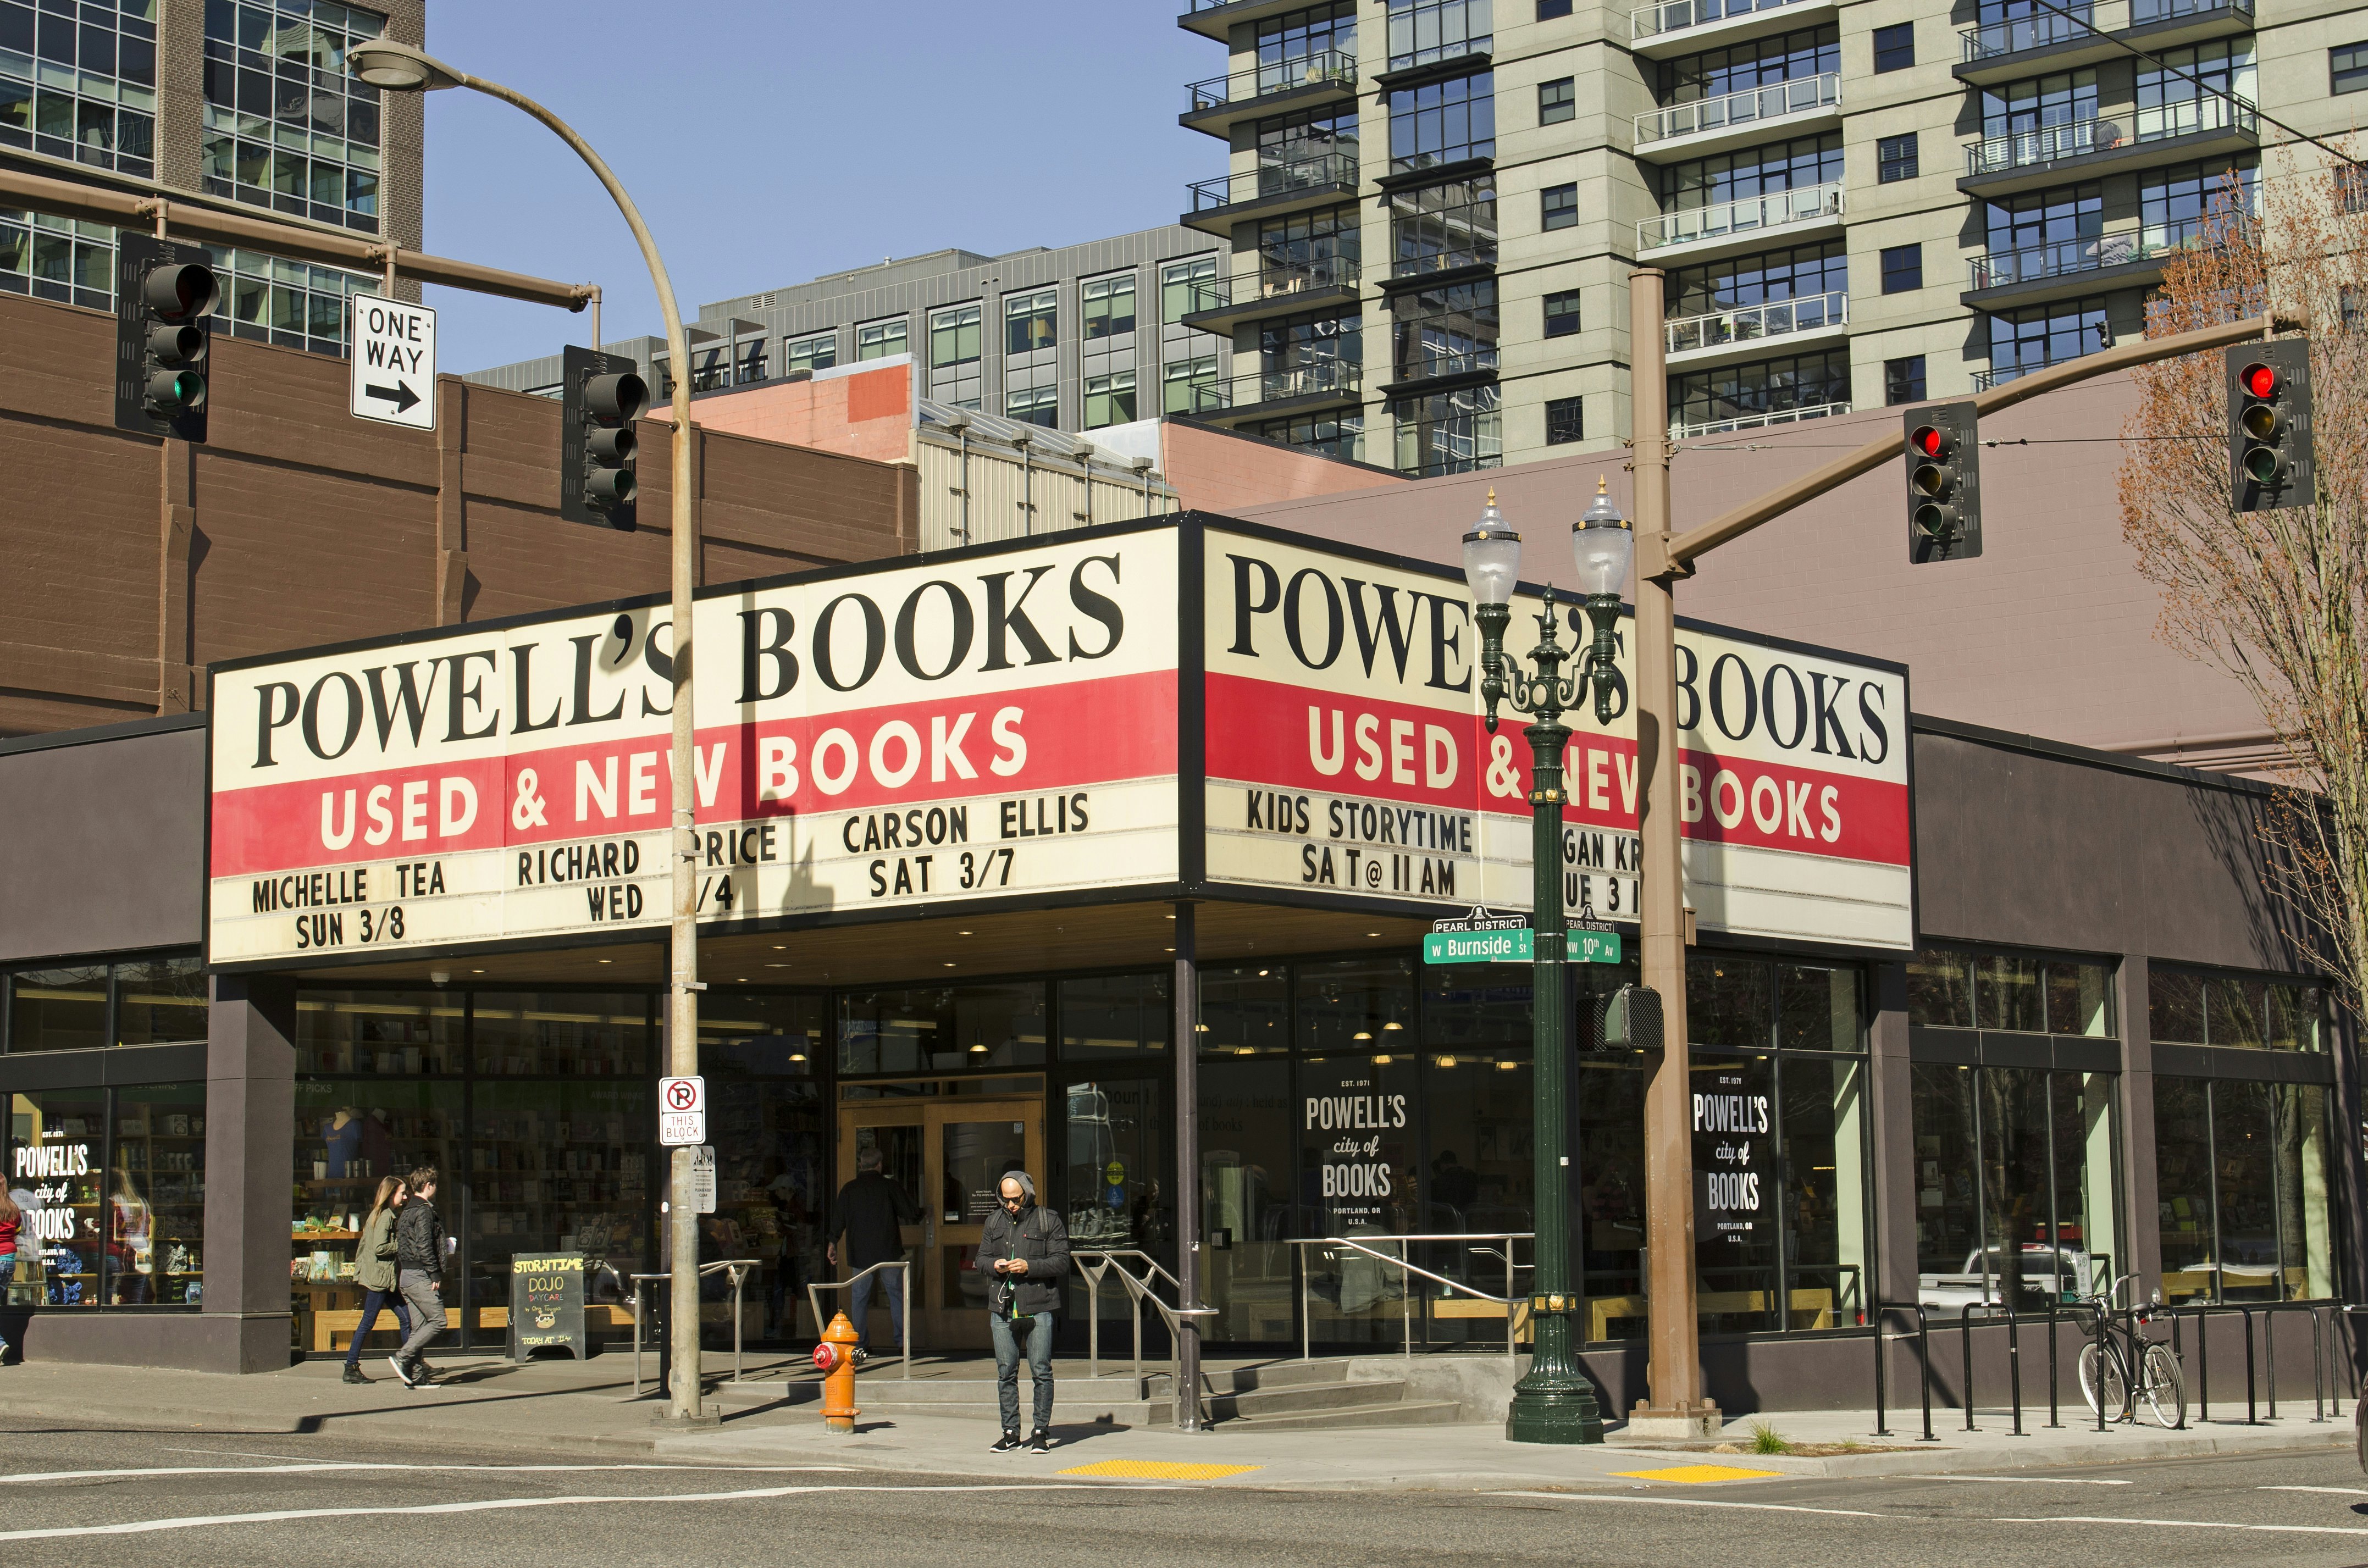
394 362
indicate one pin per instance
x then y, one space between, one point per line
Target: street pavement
77 1490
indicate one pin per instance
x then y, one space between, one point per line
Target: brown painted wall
128 563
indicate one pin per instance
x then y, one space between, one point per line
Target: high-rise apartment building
1071 339
1434 205
239 103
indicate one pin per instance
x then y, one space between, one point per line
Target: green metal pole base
1553 1416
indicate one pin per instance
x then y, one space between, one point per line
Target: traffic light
601 398
164 326
2270 463
1944 484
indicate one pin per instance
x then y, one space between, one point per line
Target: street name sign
394 362
1482 938
682 1112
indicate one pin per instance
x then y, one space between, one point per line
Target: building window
2201 1007
1308 250
1562 314
1903 380
1175 286
1894 47
819 352
1290 44
1895 158
57 258
2347 69
95 101
1802 273
1766 391
1789 57
140 1000
1797 164
1038 405
879 339
954 355
1558 207
2175 205
2014 1185
1443 122
1110 400
1422 31
1444 332
2241 1173
1306 355
2189 91
1031 321
1565 421
1549 9
1903 268
1451 432
1970 988
286 125
1335 435
1310 147
1557 101
1190 385
2042 334
2350 187
1435 227
116 1180
1109 306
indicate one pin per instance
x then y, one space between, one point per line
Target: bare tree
2274 598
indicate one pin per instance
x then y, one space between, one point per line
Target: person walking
419 1248
869 1217
12 1226
374 1271
1025 1249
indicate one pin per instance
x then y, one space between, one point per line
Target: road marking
316 1467
2187 1525
753 1494
2018 1479
1674 1503
1697 1475
2337 1491
1161 1469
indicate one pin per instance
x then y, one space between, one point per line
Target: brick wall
1216 471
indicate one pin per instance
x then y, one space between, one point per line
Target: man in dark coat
1025 1256
869 1217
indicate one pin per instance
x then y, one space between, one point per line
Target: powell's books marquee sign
1185 705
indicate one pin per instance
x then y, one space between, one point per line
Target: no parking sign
682 1111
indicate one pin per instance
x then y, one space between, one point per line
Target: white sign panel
1346 756
992 726
682 1114
702 1179
394 362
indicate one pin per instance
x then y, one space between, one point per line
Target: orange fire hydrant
835 1356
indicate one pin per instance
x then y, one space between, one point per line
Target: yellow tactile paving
1161 1469
1696 1474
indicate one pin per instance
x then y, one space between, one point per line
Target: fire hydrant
836 1358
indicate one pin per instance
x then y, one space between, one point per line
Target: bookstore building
1974 1018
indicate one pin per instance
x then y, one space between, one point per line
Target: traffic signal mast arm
1655 559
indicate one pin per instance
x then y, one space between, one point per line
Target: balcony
1271 190
1272 288
1679 430
1441 371
1311 81
1712 125
1683 26
1729 227
2026 46
1215 18
1740 332
1289 388
2063 268
2190 127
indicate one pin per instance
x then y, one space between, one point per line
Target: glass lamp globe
1492 557
1600 544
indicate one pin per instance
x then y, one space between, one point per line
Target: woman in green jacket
374 1271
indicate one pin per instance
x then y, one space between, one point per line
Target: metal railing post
1094 1320
2014 1364
1965 1338
2054 1419
1880 1430
1924 1354
2253 1412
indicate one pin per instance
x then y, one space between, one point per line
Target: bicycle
2126 1368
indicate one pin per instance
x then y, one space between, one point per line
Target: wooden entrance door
950 1156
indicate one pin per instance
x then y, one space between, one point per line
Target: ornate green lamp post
1555 1402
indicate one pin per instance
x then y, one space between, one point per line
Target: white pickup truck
2048 1274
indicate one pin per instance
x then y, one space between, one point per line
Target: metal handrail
1775 210
2040 144
1271 281
1750 324
2086 253
1797 95
1326 67
738 1268
1648 21
2191 117
2014 34
1256 388
905 1287
1336 169
1139 1290
1406 1269
1680 430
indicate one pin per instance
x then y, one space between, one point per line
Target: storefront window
558 1167
2014 1194
1245 1152
940 1027
57 1165
2244 1012
1113 1188
352 1133
112 1183
143 1001
560 1034
385 1032
57 1009
2240 1173
1966 988
762 1057
1116 1017
160 1000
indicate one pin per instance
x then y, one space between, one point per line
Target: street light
1554 1403
400 68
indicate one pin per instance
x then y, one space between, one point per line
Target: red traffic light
2258 381
1929 441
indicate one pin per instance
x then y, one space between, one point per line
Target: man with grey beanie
1025 1256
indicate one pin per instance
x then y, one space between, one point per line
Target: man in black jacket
1025 1255
869 1217
419 1249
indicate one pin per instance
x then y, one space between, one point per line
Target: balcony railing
1680 430
1798 96
1751 323
2059 258
1649 21
1326 68
1272 282
1777 210
2191 117
2011 35
2154 122
1315 379
1333 170
1429 367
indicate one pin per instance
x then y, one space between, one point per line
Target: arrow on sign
400 394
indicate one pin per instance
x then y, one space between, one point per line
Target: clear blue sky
769 140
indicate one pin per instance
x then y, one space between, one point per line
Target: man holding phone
1025 1251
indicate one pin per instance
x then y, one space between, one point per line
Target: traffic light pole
1675 1403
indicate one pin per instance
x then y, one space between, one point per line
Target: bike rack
1923 1358
1992 1310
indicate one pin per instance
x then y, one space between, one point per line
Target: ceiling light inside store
1362 1034
1392 1028
1507 1066
978 1050
1382 1060
797 1056
1447 1062
1246 1051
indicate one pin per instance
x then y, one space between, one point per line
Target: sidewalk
589 1408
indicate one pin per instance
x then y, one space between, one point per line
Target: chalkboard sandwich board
547 1304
